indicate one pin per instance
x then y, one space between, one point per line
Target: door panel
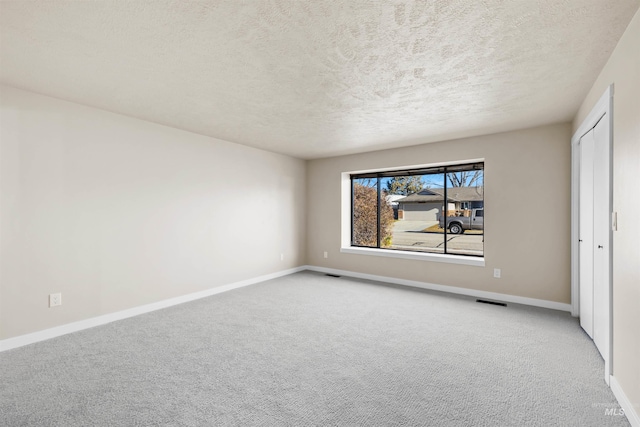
586 232
478 220
601 236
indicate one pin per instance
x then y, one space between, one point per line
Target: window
435 210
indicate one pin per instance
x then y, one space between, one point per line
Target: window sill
451 259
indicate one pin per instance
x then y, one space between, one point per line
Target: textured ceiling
317 78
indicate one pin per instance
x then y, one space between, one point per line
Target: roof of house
393 198
455 194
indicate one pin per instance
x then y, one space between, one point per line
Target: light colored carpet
308 349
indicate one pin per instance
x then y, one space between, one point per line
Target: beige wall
115 212
527 194
623 70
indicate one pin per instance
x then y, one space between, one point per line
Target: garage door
421 211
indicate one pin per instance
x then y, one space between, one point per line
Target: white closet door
586 232
601 228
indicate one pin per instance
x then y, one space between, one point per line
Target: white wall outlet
326 254
281 257
497 273
55 300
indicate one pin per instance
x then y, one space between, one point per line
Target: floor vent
484 301
332 275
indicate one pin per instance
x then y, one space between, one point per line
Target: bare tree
465 178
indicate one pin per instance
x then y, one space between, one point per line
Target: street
408 235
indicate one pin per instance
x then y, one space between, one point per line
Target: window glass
435 210
465 226
365 212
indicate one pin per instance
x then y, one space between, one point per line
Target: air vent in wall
484 301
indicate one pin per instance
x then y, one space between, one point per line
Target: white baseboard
451 289
46 334
630 411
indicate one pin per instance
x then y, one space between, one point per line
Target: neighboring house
427 205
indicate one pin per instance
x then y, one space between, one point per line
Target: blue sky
435 180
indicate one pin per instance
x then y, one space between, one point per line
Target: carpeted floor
308 349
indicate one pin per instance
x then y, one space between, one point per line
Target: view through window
434 210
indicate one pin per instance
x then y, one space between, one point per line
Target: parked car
458 224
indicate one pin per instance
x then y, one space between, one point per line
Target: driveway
400 226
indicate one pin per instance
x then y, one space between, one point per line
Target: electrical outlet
55 300
281 257
497 273
326 254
